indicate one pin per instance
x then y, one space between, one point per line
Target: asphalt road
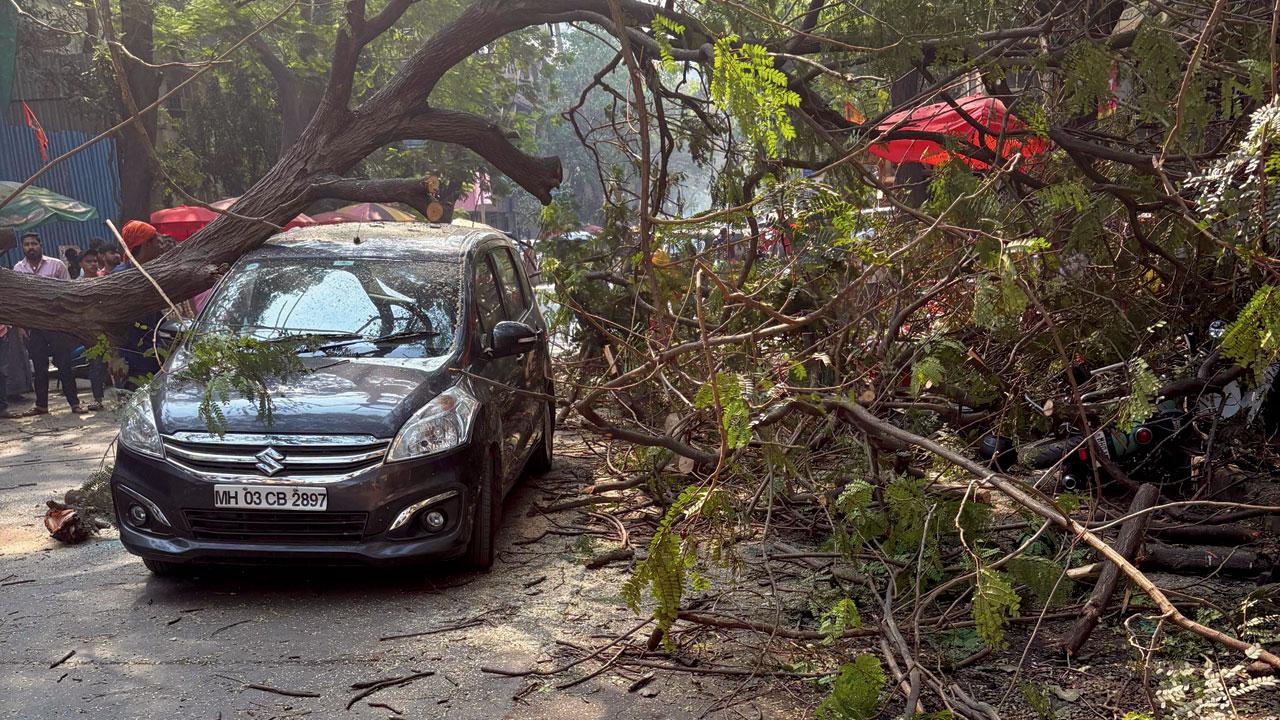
190 647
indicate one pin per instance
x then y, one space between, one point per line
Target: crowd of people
25 354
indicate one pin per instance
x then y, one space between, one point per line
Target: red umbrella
942 118
184 221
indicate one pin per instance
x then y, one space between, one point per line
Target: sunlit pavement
187 648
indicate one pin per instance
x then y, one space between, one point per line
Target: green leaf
994 603
736 421
669 563
746 85
1043 577
855 694
841 616
1253 340
1140 405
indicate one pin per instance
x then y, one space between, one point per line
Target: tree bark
909 177
1132 533
1205 560
137 177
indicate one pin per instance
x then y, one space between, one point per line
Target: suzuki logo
269 461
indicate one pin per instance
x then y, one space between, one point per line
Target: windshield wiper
305 336
393 337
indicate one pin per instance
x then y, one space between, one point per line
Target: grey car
428 392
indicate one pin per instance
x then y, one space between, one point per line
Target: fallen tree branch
1033 500
1130 539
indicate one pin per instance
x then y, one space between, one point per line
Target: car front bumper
376 495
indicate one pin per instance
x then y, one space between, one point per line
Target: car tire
161 568
543 456
484 528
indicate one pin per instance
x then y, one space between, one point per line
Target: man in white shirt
43 344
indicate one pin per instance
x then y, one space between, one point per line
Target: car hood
356 396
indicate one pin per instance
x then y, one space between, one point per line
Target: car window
512 289
488 299
368 298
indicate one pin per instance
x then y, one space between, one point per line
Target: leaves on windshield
223 363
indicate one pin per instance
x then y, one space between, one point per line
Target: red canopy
184 221
942 118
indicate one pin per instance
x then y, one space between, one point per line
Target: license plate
270 497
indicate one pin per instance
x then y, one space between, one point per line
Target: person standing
43 344
73 262
138 350
89 262
97 366
109 256
4 384
13 356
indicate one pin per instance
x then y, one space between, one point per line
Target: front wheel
482 546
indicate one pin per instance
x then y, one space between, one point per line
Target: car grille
313 458
270 526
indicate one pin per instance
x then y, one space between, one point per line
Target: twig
228 627
461 625
562 668
280 691
580 502
1030 499
267 688
64 659
1131 536
375 686
613 556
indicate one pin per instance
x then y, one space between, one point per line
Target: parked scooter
1161 448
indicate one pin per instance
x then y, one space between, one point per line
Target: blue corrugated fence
89 176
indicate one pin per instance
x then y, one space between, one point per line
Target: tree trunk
137 178
299 99
909 176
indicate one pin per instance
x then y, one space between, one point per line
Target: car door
503 373
518 300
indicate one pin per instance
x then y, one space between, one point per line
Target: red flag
42 140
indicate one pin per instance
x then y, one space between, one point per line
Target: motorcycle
1161 448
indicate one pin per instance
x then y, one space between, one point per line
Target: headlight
138 430
443 424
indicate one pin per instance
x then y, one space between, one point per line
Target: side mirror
512 338
170 329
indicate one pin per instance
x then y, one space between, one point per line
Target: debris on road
370 687
83 511
65 658
269 689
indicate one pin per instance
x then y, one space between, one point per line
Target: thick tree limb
332 143
538 175
1128 543
410 191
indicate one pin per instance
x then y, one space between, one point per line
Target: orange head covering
136 232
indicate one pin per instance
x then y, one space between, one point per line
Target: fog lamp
433 520
137 515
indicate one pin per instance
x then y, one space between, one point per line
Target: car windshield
408 307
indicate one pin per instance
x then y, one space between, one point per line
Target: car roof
391 240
